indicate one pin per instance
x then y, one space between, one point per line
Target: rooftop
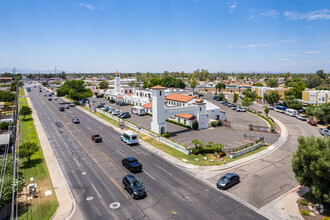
186 116
179 98
157 87
148 105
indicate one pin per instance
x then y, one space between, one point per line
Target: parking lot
230 137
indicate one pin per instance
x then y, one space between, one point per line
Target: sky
157 35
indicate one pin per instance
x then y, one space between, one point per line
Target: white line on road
148 174
164 169
120 153
96 191
115 138
134 150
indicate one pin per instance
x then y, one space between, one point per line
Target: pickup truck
96 138
132 164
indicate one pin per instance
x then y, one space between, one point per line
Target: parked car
301 110
49 99
323 131
76 120
102 102
301 117
311 122
105 108
116 112
99 106
67 106
61 109
125 115
134 186
230 105
222 102
240 109
55 98
96 138
234 107
270 107
132 164
45 95
40 90
228 180
215 97
122 103
111 101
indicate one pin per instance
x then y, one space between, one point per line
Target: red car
311 122
96 138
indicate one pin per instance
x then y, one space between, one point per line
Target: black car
215 97
134 186
100 106
228 180
49 99
122 103
61 109
132 164
111 101
40 90
125 115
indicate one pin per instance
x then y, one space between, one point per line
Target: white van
138 110
291 112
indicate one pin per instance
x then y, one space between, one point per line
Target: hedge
207 150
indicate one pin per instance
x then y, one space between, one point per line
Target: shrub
214 123
219 123
207 150
303 202
328 127
303 212
326 218
166 135
195 125
258 141
177 123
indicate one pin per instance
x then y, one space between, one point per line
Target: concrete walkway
64 196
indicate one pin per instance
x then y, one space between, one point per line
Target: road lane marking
120 152
164 169
134 150
96 191
148 174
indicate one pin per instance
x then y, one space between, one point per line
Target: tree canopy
27 149
104 84
247 102
291 102
74 89
168 81
272 82
311 165
7 96
272 97
259 84
321 74
297 89
220 86
321 112
313 81
25 111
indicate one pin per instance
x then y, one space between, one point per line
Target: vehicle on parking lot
301 110
122 103
301 117
130 137
106 108
323 131
55 98
102 102
280 108
230 105
45 95
311 122
222 101
132 164
134 186
291 112
240 109
49 99
96 138
112 101
76 120
215 97
67 106
125 115
228 180
138 110
40 90
116 112
234 107
61 109
100 106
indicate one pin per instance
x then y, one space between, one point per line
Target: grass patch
42 207
21 92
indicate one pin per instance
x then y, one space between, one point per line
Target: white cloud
294 55
232 6
323 14
259 45
261 14
284 59
89 6
311 52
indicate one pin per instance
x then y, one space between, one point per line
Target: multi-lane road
94 173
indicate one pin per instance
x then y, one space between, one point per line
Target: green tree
104 84
235 98
58 82
45 84
247 102
132 84
288 83
193 83
311 165
197 143
249 94
170 81
7 96
297 89
259 84
266 110
313 81
321 74
220 86
25 111
322 113
272 82
272 97
27 149
291 102
74 89
7 105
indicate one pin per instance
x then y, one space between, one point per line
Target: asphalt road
269 177
94 170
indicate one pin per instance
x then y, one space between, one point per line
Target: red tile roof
148 105
119 96
179 98
157 87
186 115
129 94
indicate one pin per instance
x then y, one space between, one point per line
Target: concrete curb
67 205
270 149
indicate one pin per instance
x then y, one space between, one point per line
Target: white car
301 117
55 98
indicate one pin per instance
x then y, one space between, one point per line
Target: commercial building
314 97
261 91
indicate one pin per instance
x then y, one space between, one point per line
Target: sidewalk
285 207
64 196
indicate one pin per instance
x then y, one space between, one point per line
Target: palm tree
193 83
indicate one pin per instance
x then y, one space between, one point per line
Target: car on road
40 90
132 164
271 107
76 120
134 186
96 138
61 109
228 180
240 109
323 131
311 122
125 115
67 106
55 98
301 117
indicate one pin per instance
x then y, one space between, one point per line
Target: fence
149 133
245 150
253 138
